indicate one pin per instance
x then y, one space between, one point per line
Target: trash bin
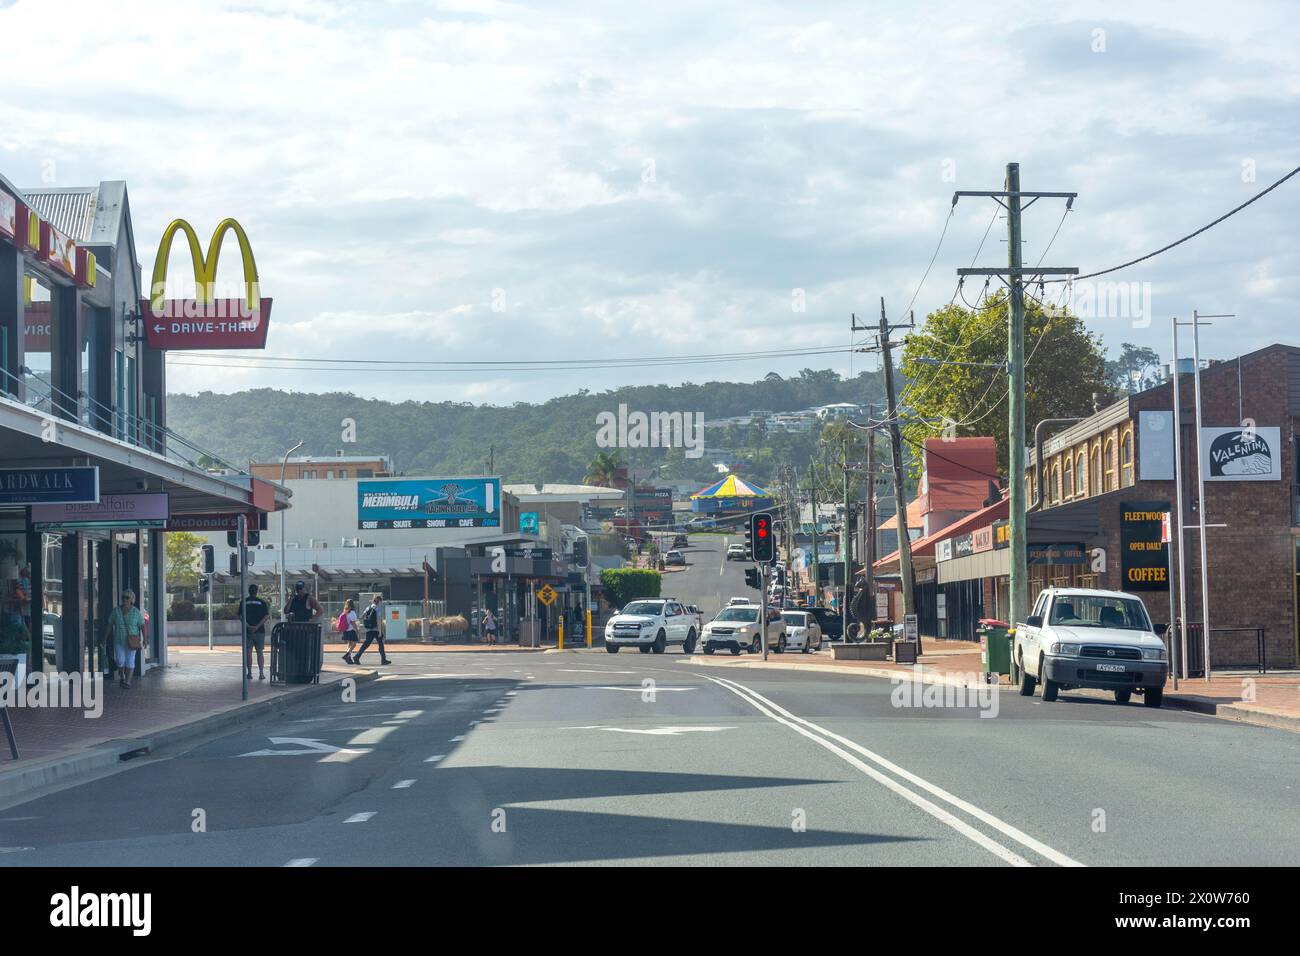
995 646
296 652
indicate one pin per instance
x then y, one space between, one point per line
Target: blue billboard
77 485
429 503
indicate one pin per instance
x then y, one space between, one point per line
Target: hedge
627 584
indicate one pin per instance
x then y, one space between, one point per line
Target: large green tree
182 557
1065 371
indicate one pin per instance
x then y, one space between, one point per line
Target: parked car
675 559
699 616
737 628
736 552
1078 637
802 632
652 624
830 621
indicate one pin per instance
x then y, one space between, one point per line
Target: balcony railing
135 431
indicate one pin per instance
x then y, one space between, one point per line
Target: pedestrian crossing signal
762 542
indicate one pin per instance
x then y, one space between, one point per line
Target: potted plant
15 643
875 647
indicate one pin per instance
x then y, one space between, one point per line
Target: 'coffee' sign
1144 556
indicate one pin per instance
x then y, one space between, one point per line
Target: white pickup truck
651 624
1078 637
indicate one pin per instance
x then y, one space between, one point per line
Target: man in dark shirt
254 611
303 606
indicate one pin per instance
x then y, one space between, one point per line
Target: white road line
303 861
435 758
457 739
361 817
403 784
784 716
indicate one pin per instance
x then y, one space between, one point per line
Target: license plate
1115 668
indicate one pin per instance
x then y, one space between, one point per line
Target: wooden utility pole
1010 199
896 453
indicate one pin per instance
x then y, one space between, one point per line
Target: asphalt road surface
583 757
710 580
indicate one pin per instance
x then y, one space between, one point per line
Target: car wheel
689 646
780 644
754 646
611 648
644 648
1027 682
708 649
1123 695
1153 696
806 646
661 643
735 651
1050 687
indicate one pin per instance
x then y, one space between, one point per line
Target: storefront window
1126 467
52 598
37 317
1109 453
1069 477
15 579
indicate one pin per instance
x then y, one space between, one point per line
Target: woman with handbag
125 629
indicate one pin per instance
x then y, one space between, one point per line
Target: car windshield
644 607
1087 610
797 618
746 614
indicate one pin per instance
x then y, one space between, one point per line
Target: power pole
869 558
812 492
1010 199
896 453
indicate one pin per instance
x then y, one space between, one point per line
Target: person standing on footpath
254 613
373 622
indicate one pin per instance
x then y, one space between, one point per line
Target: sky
478 181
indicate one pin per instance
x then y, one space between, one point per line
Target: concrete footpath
1268 700
197 694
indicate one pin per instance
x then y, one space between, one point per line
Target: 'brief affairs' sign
30 486
1144 556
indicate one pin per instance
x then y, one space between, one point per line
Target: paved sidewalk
415 647
197 693
1275 703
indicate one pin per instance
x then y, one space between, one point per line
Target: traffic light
209 558
234 564
232 539
762 544
752 579
254 537
580 552
205 584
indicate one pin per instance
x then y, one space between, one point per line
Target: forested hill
551 441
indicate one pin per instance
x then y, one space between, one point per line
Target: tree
1134 370
1065 370
607 469
182 552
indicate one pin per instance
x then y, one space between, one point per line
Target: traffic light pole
209 577
242 531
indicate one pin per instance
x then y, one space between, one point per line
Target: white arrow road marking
403 784
635 690
306 745
303 861
435 758
457 739
652 731
832 741
361 817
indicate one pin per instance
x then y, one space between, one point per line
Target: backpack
341 625
371 619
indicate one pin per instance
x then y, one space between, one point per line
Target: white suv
1078 637
737 628
651 624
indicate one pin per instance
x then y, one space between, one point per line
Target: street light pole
283 465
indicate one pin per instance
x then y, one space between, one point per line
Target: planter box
866 651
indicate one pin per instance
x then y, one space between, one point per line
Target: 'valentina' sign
1241 454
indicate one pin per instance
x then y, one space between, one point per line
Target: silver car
802 632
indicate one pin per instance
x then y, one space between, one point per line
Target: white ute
1078 637
651 624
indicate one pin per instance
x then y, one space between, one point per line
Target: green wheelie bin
995 648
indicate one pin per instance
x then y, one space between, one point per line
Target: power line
1190 235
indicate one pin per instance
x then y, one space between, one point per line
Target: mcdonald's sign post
206 321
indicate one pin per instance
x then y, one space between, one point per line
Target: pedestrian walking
490 626
303 605
125 632
373 623
347 626
254 612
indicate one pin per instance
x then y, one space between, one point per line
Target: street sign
110 511
547 595
911 630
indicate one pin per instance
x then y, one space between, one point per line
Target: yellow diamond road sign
547 594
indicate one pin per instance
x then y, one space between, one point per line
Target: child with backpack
347 626
373 623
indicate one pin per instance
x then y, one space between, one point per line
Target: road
710 580
583 757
